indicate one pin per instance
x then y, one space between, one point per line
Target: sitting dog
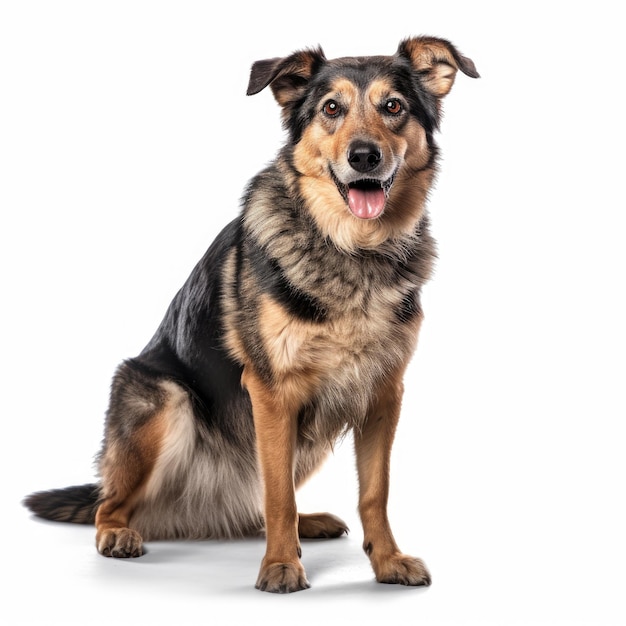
295 327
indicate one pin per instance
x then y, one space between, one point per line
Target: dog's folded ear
436 61
287 76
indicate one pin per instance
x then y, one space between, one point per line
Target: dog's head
361 133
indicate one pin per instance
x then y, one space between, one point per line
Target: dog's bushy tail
73 504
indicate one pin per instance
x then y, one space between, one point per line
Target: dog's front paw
282 578
402 569
120 543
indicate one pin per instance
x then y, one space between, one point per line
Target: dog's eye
331 108
393 106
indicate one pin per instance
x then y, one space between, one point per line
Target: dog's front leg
373 453
275 423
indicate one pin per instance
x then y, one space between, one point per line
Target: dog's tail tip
75 504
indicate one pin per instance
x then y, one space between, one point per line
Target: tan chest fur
294 345
343 359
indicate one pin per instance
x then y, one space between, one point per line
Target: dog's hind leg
135 428
373 453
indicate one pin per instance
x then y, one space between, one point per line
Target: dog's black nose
363 156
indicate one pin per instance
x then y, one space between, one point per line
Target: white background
125 141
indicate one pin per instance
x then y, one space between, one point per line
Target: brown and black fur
295 327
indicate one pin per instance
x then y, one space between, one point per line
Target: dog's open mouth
365 198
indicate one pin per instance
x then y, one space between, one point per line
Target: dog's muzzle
365 194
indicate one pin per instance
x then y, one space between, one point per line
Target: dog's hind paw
282 578
401 569
120 543
320 526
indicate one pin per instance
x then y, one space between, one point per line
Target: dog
295 328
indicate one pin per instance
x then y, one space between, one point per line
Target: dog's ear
287 76
436 61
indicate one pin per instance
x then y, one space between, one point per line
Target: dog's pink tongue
366 203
